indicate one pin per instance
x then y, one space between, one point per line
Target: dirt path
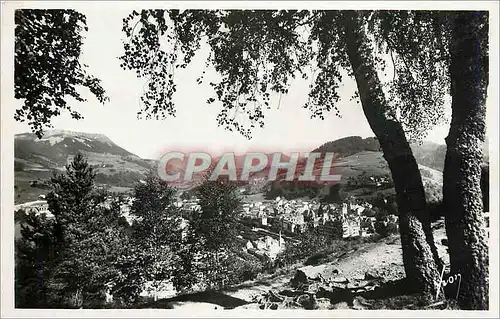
383 258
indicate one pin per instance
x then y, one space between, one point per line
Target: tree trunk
462 194
419 252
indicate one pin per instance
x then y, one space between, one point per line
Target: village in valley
274 223
331 159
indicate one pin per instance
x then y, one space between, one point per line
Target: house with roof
36 207
266 246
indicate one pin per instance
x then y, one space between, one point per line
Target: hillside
356 159
349 145
364 171
363 175
426 153
355 275
36 159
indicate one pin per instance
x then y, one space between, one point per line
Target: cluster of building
266 246
297 216
290 216
37 207
188 205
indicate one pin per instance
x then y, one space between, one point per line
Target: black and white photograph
249 158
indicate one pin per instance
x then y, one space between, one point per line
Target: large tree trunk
419 252
462 171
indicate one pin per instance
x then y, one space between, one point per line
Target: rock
314 272
341 305
357 284
338 285
339 280
362 303
370 276
299 279
370 287
313 288
359 303
273 306
323 303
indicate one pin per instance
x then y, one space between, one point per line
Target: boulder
357 304
338 285
369 275
340 305
314 272
370 287
357 284
339 280
323 303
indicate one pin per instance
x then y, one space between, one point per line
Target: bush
383 225
316 258
241 267
20 216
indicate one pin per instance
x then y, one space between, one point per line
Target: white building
36 207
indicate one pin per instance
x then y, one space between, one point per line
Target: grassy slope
37 160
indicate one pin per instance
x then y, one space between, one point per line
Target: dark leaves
258 53
417 42
47 66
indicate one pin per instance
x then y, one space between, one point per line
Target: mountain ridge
36 159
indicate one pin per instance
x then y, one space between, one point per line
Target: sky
287 126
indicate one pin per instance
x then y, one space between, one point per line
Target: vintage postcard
242 159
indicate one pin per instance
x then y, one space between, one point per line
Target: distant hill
36 159
360 162
430 154
349 145
426 153
359 173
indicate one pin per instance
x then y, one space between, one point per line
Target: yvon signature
452 279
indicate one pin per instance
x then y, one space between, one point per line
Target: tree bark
462 194
419 252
